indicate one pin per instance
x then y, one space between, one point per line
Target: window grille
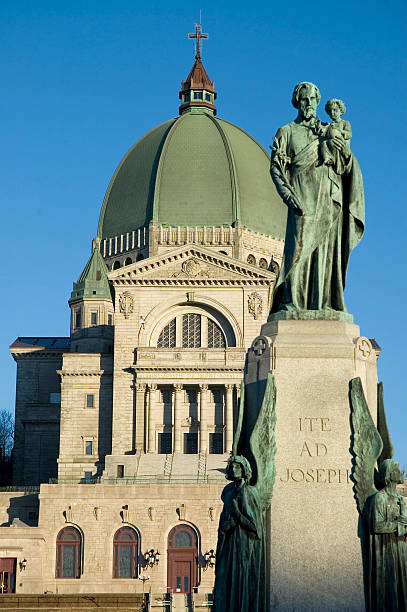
166 339
191 330
190 443
165 443
216 443
216 339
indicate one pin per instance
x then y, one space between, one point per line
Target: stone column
140 416
203 418
228 422
179 389
152 403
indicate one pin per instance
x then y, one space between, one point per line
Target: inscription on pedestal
315 448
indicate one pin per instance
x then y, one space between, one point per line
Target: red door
182 559
8 575
181 571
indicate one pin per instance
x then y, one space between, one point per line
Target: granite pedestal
314 548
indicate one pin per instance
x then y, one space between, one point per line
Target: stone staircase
72 603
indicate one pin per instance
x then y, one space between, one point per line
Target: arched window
166 338
116 265
128 261
251 260
182 536
125 553
216 338
69 553
192 330
263 263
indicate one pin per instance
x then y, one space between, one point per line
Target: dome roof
194 170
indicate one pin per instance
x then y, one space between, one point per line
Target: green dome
191 171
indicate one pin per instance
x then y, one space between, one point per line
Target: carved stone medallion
364 347
126 304
255 304
191 267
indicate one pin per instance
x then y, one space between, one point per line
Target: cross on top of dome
198 35
197 91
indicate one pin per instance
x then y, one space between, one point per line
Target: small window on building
251 260
140 257
190 443
98 275
90 400
166 396
187 97
93 318
54 398
128 261
208 97
88 447
216 443
78 319
166 339
120 471
125 553
116 265
88 477
165 443
110 319
197 95
263 263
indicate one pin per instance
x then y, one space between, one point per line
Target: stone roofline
147 241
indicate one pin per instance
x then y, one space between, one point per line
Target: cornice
197 368
188 282
66 373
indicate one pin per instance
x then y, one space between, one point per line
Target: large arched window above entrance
192 330
69 553
125 553
182 536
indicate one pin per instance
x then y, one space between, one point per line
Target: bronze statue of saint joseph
325 218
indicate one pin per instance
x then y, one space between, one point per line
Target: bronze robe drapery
240 555
318 242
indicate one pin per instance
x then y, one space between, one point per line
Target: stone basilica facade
124 428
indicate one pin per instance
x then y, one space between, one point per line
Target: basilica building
123 429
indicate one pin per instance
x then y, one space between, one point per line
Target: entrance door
8 575
182 559
182 575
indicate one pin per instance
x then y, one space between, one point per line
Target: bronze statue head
245 465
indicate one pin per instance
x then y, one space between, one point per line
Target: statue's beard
309 113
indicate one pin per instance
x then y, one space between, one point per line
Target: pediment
190 264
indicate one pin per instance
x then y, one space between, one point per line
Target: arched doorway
182 572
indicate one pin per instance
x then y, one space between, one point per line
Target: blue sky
82 81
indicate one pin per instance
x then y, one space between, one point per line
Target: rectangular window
93 318
88 477
197 95
216 396
190 443
54 398
166 396
88 447
208 97
90 400
216 443
165 443
120 471
110 319
187 97
192 396
78 319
